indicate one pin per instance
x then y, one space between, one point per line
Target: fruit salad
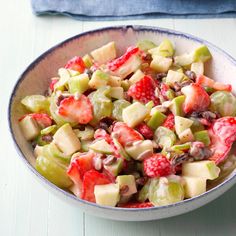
143 129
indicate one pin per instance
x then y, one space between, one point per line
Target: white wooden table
26 208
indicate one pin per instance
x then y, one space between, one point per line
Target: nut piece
124 189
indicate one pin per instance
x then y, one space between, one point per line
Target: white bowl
35 80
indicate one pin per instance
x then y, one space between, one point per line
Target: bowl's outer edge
121 213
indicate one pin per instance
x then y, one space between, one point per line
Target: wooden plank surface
26 208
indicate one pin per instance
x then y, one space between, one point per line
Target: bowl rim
231 179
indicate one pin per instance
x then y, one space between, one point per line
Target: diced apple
194 186
101 146
204 169
174 76
182 124
116 167
128 182
156 120
165 49
117 92
198 68
88 61
134 114
64 75
85 134
85 145
125 84
107 194
66 140
161 64
186 136
78 83
114 81
145 45
164 137
105 53
137 149
99 79
202 54
38 150
29 128
176 106
184 60
203 136
138 75
130 66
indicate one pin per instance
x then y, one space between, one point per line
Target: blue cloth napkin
123 9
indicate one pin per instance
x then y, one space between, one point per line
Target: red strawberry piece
219 149
164 89
207 82
145 130
76 63
110 176
77 110
137 205
223 135
169 122
222 87
52 84
118 62
102 134
42 119
144 90
157 165
78 167
196 99
225 129
92 178
125 134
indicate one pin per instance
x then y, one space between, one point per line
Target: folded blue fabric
123 9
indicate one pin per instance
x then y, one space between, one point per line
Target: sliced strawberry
52 84
222 87
125 134
145 130
157 165
77 110
170 122
207 82
144 90
137 205
102 134
225 129
110 176
42 119
78 167
92 178
219 149
222 134
196 99
76 63
118 62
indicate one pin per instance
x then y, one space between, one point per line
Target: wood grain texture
26 208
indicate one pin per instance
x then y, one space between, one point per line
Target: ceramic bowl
35 80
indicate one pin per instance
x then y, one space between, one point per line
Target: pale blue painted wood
217 218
